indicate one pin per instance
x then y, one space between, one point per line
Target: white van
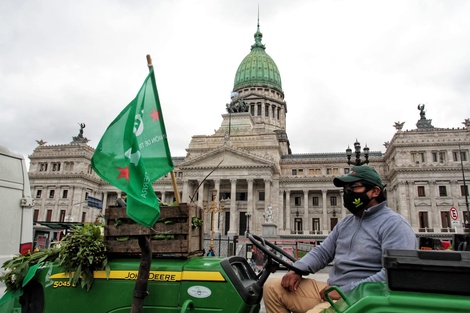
16 221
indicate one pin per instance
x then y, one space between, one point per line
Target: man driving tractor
355 246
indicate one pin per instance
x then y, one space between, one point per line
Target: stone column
325 213
306 221
105 200
434 215
280 218
400 195
267 193
216 215
249 205
185 197
341 199
200 197
163 197
233 210
414 213
288 212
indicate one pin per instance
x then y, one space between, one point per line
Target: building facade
260 184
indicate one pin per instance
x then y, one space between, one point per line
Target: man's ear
375 192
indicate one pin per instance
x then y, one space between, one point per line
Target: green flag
134 152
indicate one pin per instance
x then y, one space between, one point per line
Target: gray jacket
357 244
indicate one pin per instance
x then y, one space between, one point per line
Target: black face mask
356 202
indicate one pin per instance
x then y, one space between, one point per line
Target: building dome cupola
258 68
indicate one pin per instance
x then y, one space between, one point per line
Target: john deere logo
357 202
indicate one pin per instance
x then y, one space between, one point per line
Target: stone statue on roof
80 138
423 122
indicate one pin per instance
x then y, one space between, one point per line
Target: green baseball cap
358 173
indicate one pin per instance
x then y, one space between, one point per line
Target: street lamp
248 215
212 209
357 152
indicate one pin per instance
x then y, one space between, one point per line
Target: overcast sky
349 69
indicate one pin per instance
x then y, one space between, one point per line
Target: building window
442 157
300 171
298 224
333 222
65 194
314 171
297 201
346 170
442 191
241 196
464 190
42 167
259 110
445 219
36 216
86 196
294 171
38 193
48 215
261 196
434 156
421 192
316 224
274 112
423 220
418 157
278 113
55 166
51 194
62 216
332 171
463 155
266 110
83 217
315 201
333 200
252 110
224 195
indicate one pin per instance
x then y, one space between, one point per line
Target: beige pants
307 296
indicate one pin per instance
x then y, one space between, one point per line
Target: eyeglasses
350 189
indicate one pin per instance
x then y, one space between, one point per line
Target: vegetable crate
178 232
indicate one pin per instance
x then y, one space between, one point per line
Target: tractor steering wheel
264 246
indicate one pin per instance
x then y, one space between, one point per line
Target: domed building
247 174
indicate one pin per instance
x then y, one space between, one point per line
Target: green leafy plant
196 222
83 252
16 269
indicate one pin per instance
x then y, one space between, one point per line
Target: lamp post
248 215
357 153
465 190
212 209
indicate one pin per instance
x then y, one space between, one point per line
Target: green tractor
197 284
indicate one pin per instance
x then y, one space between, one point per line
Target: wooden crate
173 234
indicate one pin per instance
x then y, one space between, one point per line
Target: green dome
258 68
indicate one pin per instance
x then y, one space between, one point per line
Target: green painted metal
258 68
175 285
377 297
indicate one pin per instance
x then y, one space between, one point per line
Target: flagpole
172 173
